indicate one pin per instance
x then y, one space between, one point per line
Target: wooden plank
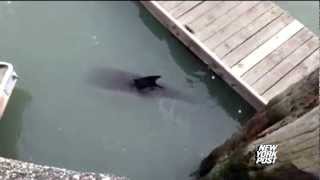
298 144
286 137
198 11
272 44
224 20
210 16
267 81
168 5
205 54
308 149
302 70
315 167
184 7
255 41
245 33
242 21
305 159
305 124
277 56
304 148
161 2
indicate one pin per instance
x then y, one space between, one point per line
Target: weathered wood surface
246 32
257 40
184 8
252 45
212 15
302 70
217 37
287 65
298 142
269 46
276 56
225 20
197 12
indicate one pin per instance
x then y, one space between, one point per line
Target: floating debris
200 73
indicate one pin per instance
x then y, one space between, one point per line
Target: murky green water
57 117
305 11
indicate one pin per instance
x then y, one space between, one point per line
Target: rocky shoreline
18 170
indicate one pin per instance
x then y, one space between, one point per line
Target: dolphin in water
135 84
148 82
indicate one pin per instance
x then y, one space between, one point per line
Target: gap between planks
198 11
256 40
272 44
184 8
247 32
274 58
252 14
302 70
211 16
227 18
267 81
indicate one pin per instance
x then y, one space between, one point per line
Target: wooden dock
255 46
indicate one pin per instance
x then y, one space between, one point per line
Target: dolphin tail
195 174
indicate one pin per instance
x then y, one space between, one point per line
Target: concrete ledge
18 170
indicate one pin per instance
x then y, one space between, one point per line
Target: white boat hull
7 84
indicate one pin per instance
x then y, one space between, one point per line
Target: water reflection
197 71
10 124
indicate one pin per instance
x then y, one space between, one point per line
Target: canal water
64 112
305 11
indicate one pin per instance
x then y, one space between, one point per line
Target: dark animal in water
148 82
208 163
204 169
135 84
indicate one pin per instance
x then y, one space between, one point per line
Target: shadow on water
10 124
198 72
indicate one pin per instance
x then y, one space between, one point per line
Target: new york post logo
266 154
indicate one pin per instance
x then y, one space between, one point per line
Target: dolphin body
148 82
135 84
